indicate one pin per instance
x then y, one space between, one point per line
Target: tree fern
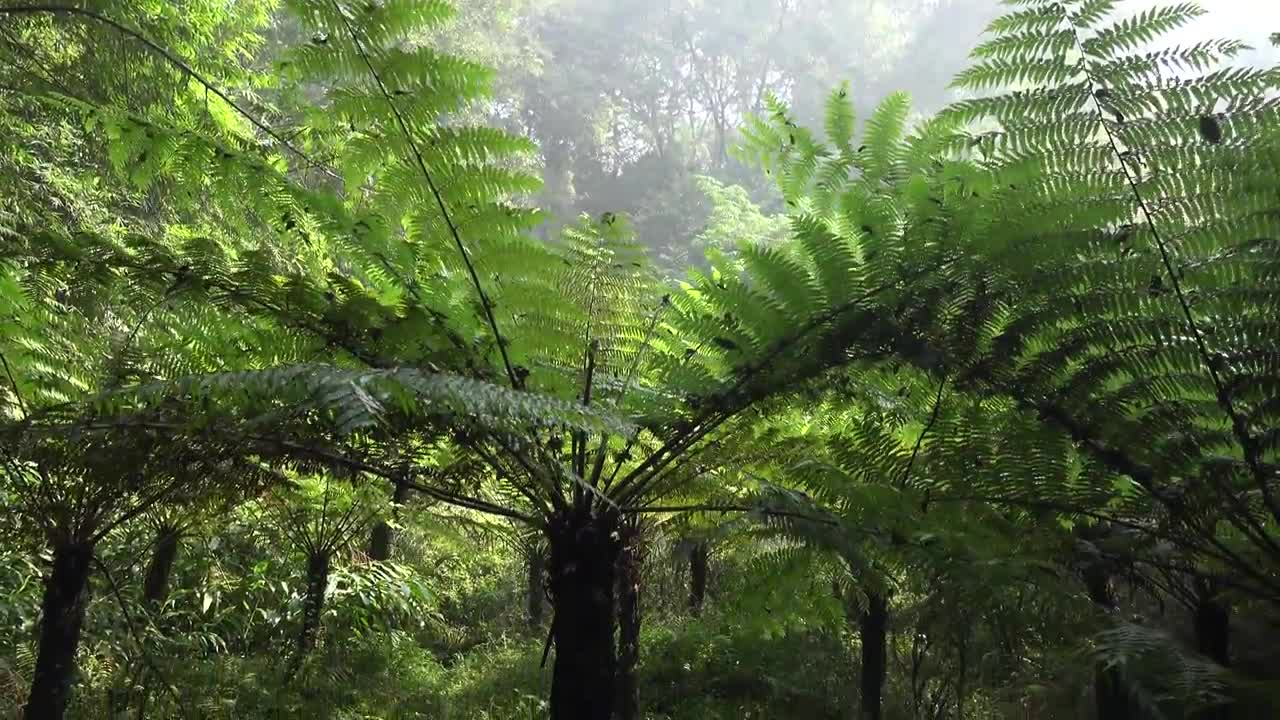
1116 155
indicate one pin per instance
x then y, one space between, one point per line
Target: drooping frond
347 401
1162 675
1136 189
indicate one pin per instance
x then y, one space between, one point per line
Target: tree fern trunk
873 624
584 555
312 606
697 577
66 593
1213 629
155 587
383 534
628 697
1213 638
1110 700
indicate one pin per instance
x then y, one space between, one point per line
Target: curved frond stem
722 399
434 493
142 320
498 466
727 508
597 468
642 477
933 419
296 528
322 530
485 303
554 493
138 508
1239 427
1144 476
350 463
1267 587
580 437
672 473
137 638
644 345
13 383
469 502
172 60
1168 584
340 530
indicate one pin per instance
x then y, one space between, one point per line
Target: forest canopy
592 360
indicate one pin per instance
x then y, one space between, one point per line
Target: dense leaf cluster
988 370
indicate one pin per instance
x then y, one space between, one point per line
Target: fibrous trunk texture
1213 629
873 624
312 606
66 594
628 689
584 556
155 587
1213 638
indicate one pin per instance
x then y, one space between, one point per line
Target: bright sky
1252 21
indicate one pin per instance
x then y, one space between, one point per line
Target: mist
631 101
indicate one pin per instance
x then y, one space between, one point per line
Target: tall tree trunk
312 606
873 624
584 556
1213 637
66 594
535 569
1111 700
962 668
155 587
1213 627
155 590
628 697
383 534
697 577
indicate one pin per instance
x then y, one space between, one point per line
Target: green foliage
991 369
1153 364
736 221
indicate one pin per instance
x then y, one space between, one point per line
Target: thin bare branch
168 57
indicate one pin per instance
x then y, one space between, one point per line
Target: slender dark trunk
155 587
1213 629
1213 638
697 577
1111 700
962 668
312 606
383 534
155 590
1109 697
584 556
873 624
66 594
535 588
628 690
